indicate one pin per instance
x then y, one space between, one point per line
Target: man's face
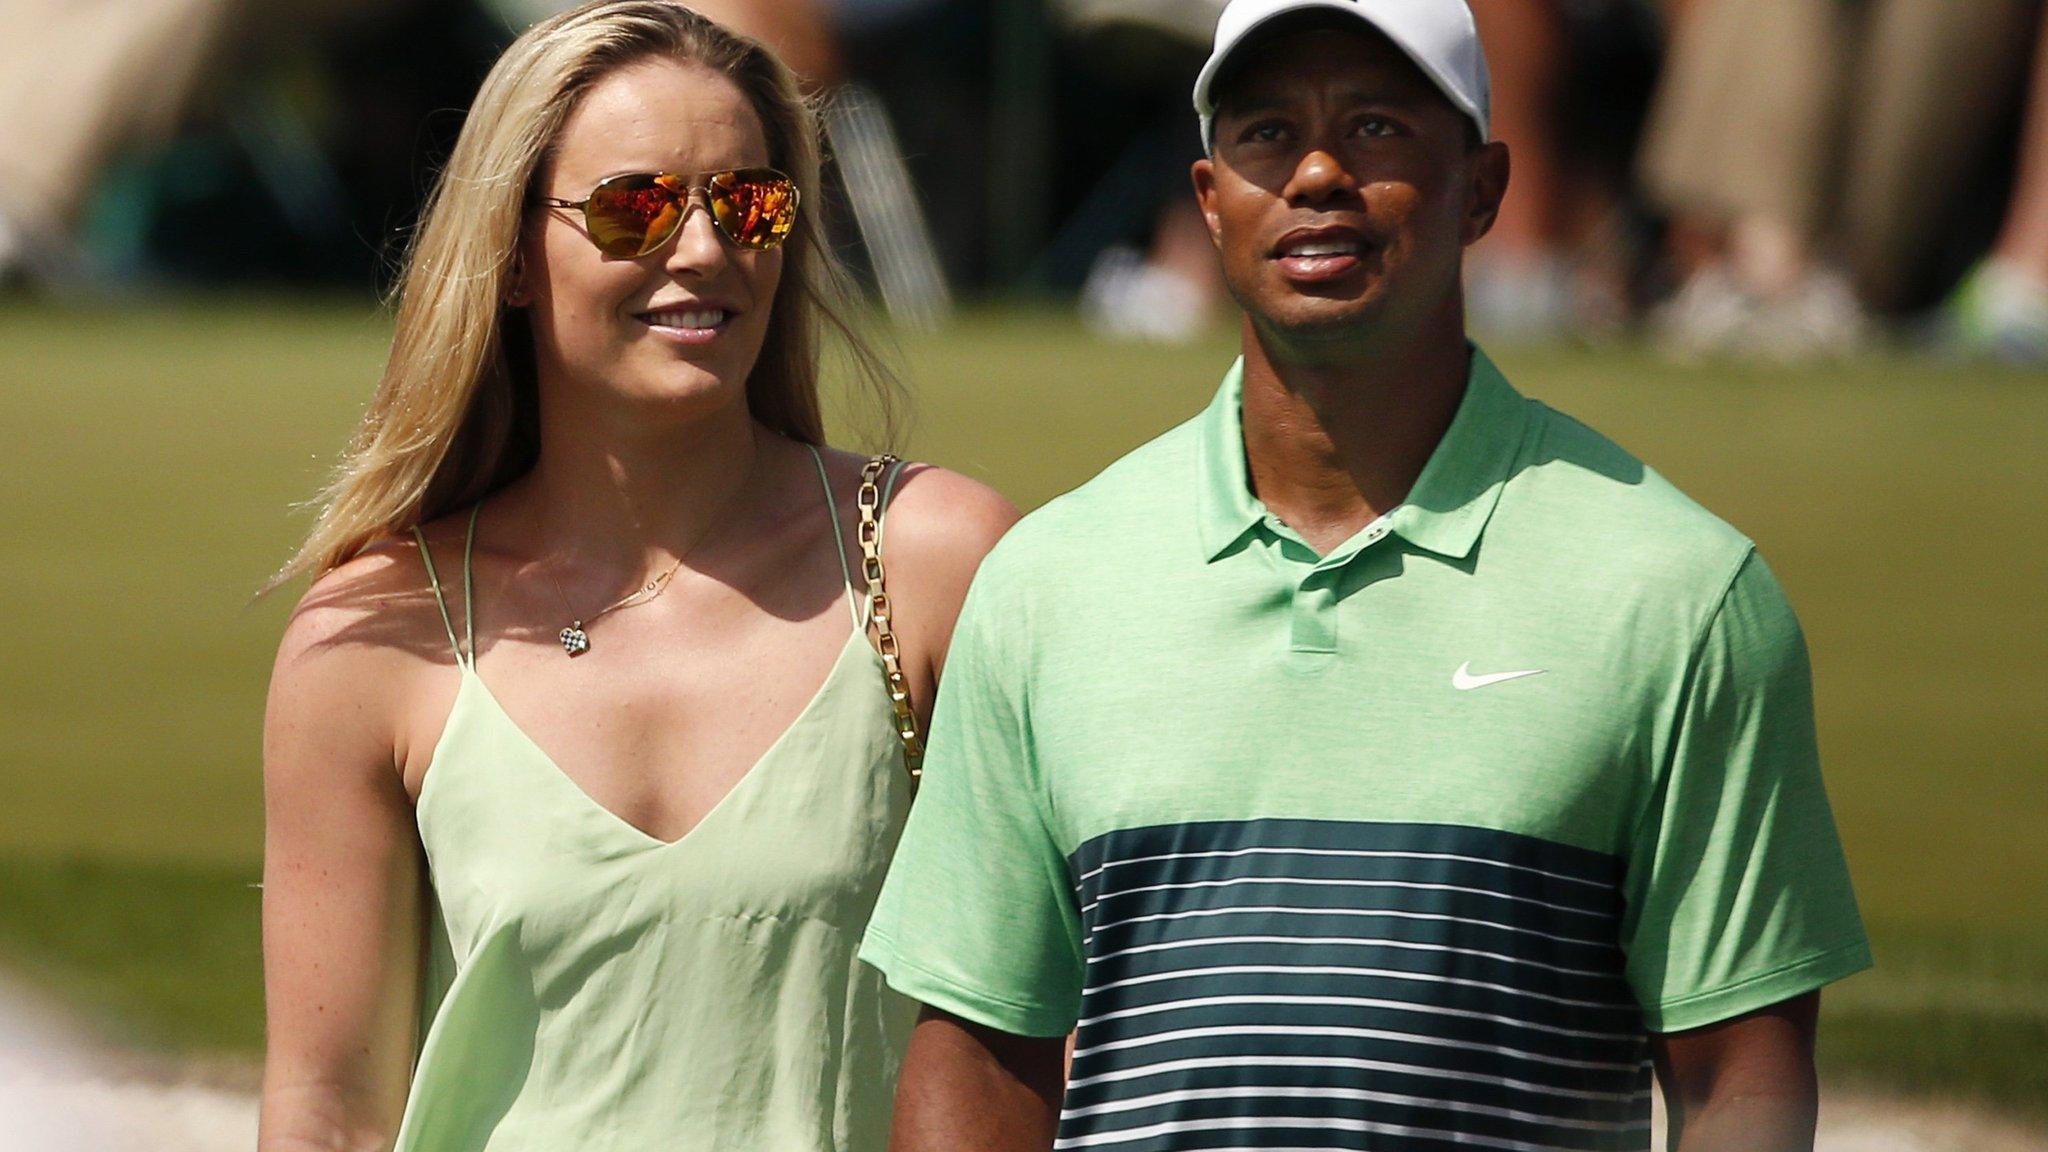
1343 188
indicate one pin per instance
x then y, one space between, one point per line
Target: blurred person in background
799 31
1381 758
582 769
134 136
795 30
216 140
1572 81
78 81
1158 283
2000 311
1519 279
1814 155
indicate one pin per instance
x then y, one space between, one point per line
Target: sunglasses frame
686 196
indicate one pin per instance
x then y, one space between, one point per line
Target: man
1381 759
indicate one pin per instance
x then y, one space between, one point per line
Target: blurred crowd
1784 179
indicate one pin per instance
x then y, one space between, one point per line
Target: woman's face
684 323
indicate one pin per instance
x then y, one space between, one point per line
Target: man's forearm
1745 1084
966 1088
1780 1122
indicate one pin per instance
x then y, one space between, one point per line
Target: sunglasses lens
631 215
754 207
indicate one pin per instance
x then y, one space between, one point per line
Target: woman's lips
687 325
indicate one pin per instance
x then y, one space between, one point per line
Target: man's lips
1319 255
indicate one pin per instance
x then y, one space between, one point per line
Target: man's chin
1321 320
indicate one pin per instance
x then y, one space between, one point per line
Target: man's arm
968 1088
1743 1085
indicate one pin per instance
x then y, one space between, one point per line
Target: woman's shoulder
351 668
929 507
937 524
373 612
932 506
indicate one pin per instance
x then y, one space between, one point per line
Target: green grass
154 456
163 955
1952 1012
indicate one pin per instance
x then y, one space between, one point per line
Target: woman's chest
805 834
656 725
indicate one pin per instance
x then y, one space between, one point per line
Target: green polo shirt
1417 840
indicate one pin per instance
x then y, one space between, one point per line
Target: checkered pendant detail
575 641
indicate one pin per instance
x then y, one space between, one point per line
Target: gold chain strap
870 502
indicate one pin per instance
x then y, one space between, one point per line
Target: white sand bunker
1851 1123
57 1094
106 1116
1866 1125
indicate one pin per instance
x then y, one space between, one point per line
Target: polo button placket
1313 619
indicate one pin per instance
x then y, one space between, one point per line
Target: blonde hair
455 416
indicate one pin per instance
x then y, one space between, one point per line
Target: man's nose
1320 177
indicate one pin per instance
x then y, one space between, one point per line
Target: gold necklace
575 639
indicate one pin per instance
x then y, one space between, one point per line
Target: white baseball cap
1439 35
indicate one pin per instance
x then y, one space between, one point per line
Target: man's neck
1334 441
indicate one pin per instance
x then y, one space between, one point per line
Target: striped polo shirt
1409 845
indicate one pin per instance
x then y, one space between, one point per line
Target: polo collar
1227 508
1444 513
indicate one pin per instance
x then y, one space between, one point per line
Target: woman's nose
697 246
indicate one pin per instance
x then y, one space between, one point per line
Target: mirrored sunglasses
634 214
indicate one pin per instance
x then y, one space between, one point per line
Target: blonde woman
582 771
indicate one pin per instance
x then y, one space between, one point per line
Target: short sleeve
977 916
1738 891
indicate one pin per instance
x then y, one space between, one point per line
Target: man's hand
967 1088
1743 1085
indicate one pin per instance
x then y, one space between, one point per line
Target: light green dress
590 988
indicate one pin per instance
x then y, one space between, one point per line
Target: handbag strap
870 503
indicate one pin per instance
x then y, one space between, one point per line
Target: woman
573 753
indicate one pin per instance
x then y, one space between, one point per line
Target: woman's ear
516 293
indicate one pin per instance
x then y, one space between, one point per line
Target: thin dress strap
888 490
468 588
469 585
838 537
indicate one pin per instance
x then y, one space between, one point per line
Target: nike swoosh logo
1464 681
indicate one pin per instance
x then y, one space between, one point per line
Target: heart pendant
575 641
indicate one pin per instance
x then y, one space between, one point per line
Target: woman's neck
617 499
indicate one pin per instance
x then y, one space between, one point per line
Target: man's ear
1486 185
1204 175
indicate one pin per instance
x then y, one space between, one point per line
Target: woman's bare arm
341 894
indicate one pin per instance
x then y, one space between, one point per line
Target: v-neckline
648 840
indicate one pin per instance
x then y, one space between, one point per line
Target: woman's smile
690 325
